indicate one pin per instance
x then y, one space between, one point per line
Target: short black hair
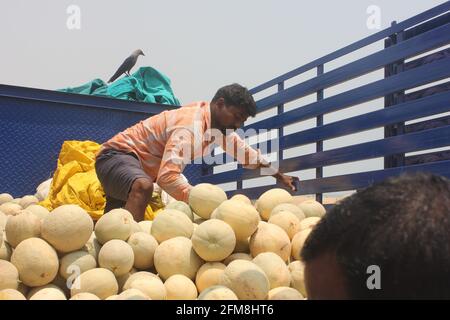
401 225
238 96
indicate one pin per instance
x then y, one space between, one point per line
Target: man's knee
142 187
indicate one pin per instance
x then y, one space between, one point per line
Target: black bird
127 65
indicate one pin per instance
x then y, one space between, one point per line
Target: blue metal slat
404 49
351 181
427 139
435 71
426 15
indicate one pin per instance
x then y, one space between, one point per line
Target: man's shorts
117 172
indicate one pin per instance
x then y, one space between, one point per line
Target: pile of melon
213 248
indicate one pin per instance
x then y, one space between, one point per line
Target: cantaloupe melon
144 246
47 292
117 256
176 256
116 224
181 206
170 224
237 256
132 294
5 251
204 198
113 297
180 287
67 228
243 218
297 270
213 240
294 209
270 238
241 197
298 241
284 293
9 275
93 246
312 208
152 287
11 294
77 261
246 280
275 269
287 221
22 226
146 226
84 296
10 208
217 293
27 201
138 275
209 275
98 281
270 199
36 261
308 222
38 211
5 197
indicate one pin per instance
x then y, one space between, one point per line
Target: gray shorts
117 171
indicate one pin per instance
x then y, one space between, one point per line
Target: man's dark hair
238 96
401 225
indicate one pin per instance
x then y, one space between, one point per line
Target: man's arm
253 159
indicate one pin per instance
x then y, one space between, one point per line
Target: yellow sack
75 182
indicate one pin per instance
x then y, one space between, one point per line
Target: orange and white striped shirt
166 142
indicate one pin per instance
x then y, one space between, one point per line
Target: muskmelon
9 275
171 223
176 256
152 287
241 197
205 197
10 208
77 261
146 226
47 292
297 270
36 261
284 293
5 197
270 199
270 238
209 275
213 240
242 217
143 246
237 256
38 211
116 224
11 294
117 256
294 209
298 241
67 228
27 201
132 294
180 287
217 293
246 280
287 221
22 226
309 222
84 296
312 208
275 269
181 206
98 281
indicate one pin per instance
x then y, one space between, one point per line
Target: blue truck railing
34 122
419 35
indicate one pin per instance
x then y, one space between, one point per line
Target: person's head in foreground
389 241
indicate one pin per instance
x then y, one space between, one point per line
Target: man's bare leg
138 198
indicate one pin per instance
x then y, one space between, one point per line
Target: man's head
394 235
231 106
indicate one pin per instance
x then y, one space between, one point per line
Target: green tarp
146 85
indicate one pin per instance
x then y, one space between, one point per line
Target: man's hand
288 181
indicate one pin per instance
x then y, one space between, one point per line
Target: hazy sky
199 44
